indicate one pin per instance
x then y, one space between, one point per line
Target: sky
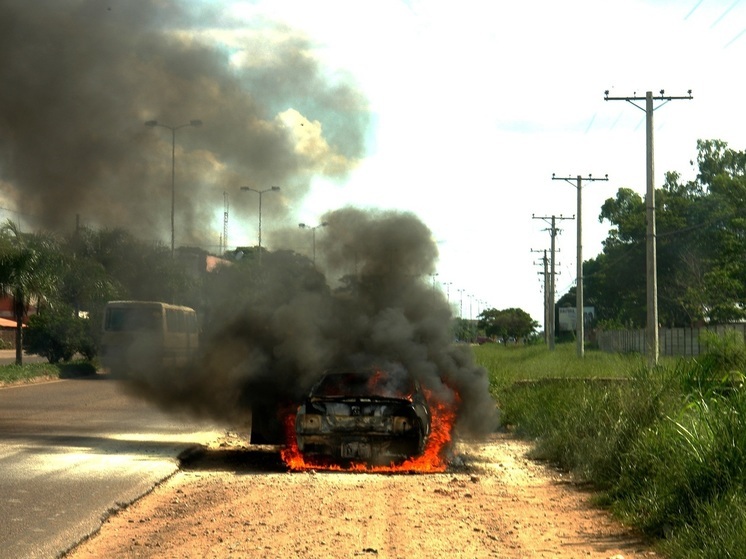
475 105
457 112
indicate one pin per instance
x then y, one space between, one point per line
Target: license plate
356 449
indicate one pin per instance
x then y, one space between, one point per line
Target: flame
432 460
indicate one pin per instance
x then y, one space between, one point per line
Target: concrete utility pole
579 314
553 230
545 277
651 331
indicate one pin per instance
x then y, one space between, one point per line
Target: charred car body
370 416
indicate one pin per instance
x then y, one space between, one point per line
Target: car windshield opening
365 384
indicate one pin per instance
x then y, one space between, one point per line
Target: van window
133 318
174 320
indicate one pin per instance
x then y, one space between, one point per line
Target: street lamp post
260 193
313 231
173 129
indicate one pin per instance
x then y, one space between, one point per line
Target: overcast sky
471 107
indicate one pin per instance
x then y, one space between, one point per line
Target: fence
678 342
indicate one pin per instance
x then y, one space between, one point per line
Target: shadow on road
63 443
256 459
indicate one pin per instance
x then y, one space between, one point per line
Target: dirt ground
239 501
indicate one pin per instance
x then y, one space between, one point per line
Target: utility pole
579 314
545 277
225 223
553 233
173 129
651 332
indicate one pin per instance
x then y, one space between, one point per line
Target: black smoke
79 80
276 328
81 77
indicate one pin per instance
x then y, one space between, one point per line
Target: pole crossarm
573 180
550 219
662 97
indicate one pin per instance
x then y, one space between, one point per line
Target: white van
143 336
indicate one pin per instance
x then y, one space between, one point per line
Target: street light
313 231
260 193
173 129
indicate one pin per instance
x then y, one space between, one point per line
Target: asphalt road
73 450
8 357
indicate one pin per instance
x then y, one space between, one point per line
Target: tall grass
666 448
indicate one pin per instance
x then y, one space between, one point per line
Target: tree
27 273
507 323
136 269
701 239
57 334
85 284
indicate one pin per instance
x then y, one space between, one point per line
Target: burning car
370 416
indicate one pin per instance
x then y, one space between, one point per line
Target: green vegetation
27 264
700 246
507 323
58 335
666 449
30 372
66 278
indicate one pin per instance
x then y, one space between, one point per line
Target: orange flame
433 459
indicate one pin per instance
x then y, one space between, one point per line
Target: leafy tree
507 323
464 330
135 269
700 238
28 265
614 281
85 284
57 334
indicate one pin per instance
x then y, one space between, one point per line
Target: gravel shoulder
233 500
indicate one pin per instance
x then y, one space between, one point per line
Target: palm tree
26 273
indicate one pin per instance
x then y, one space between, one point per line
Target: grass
32 372
665 448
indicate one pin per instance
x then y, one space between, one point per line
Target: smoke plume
277 331
81 77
